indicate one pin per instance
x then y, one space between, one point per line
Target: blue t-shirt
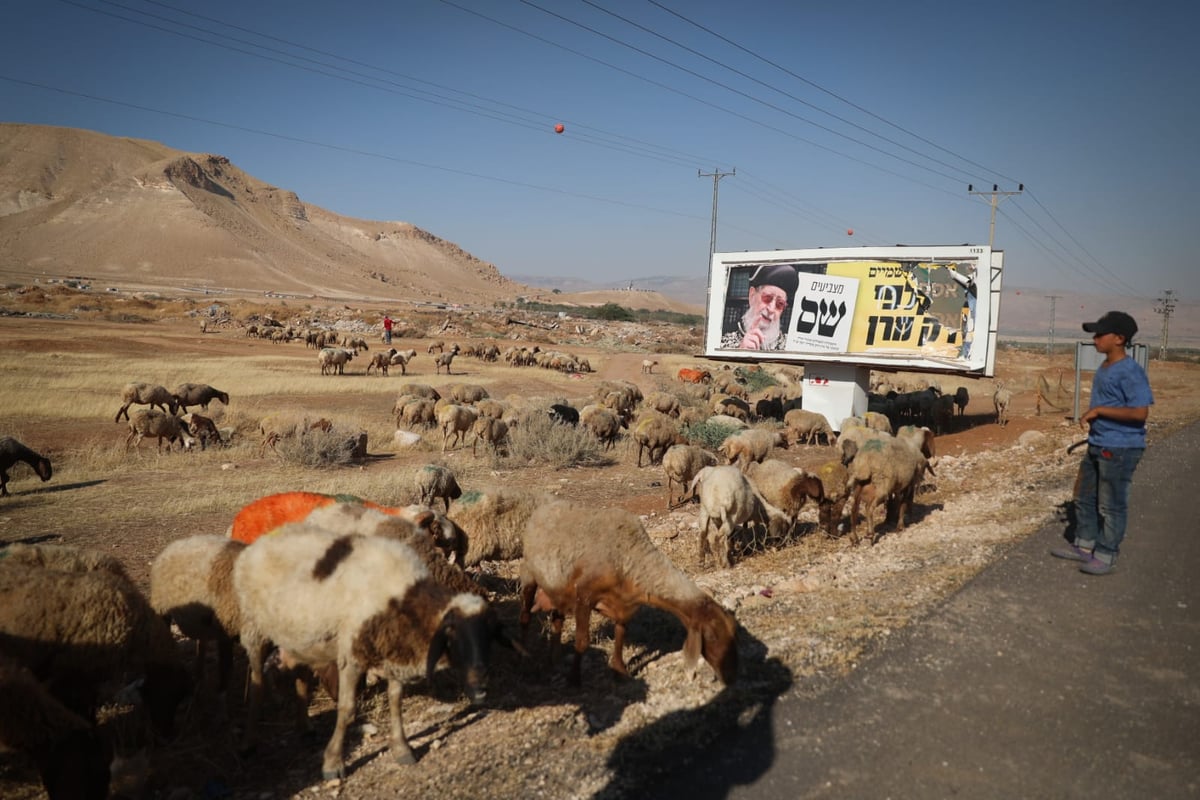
1123 384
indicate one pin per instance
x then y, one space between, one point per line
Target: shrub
755 379
709 434
318 449
540 440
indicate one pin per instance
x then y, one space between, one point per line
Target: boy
1116 416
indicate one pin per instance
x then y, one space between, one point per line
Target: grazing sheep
12 451
490 431
884 471
491 408
681 462
364 603
466 393
198 394
834 478
420 390
602 423
728 501
1000 401
961 398
333 360
785 487
61 557
805 427
71 756
579 559
146 394
357 343
152 422
648 366
444 359
81 632
276 427
733 406
455 420
563 413
654 433
663 403
750 445
202 429
191 584
435 482
876 421
493 521
381 362
413 411
439 347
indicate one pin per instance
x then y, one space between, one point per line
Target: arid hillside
137 214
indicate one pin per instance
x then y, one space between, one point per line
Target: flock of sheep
343 588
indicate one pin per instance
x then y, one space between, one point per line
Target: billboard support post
837 391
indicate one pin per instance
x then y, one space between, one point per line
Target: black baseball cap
779 275
1117 322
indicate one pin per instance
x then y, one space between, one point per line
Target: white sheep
663 403
333 360
419 390
648 365
785 487
728 501
434 482
146 394
580 558
805 427
85 632
493 519
191 585
1001 400
364 603
750 445
455 420
681 462
154 423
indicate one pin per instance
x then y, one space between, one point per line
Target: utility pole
1053 298
1165 305
996 196
716 175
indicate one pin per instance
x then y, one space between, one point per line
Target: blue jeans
1102 498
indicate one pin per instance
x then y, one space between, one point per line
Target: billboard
906 307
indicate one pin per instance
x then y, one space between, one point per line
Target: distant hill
138 214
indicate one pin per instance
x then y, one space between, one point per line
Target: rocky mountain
137 214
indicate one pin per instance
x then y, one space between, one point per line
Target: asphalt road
1034 681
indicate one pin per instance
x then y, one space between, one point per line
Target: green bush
709 434
755 380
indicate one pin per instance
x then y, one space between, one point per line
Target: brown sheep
579 559
146 394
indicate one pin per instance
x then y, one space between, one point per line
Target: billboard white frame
896 308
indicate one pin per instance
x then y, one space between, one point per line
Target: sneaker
1094 566
1071 553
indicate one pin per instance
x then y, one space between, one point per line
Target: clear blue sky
868 115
